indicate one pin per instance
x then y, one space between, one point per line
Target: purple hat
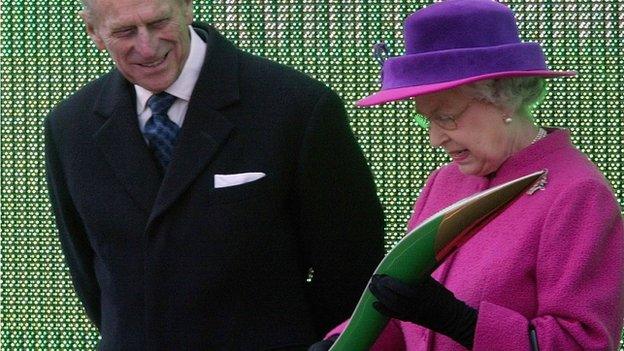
456 42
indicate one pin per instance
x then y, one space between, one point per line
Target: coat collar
530 159
120 139
204 130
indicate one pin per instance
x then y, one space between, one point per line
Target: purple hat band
456 42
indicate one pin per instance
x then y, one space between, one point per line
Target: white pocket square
225 180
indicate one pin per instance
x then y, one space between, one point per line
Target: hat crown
457 42
459 24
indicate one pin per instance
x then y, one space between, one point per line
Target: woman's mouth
459 155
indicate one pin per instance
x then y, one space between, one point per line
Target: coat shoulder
280 80
79 103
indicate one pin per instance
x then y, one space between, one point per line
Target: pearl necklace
540 134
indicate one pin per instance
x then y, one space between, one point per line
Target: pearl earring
508 120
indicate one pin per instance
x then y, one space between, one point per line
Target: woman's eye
443 118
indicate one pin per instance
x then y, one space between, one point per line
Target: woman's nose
437 135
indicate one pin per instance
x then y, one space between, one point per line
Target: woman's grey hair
520 94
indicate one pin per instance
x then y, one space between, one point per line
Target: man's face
149 40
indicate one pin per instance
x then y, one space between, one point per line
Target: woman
545 274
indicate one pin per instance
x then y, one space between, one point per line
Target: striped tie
160 131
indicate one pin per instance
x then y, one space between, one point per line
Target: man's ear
87 18
188 11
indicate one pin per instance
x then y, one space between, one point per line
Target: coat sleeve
579 278
74 242
340 217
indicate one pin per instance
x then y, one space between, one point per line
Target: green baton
424 248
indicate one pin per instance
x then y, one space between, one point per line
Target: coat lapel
205 129
121 141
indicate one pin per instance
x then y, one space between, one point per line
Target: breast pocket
241 192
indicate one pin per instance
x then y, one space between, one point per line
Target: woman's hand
428 304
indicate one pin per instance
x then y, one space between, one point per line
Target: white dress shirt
182 88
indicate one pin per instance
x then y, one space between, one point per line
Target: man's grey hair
87 5
519 95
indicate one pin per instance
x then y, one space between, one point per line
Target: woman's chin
467 170
474 169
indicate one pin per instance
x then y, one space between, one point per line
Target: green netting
46 56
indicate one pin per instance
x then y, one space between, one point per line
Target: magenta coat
553 260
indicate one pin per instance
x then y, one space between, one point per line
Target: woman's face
481 141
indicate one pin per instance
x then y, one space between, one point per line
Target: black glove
324 345
428 304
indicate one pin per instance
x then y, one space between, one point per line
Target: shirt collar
182 88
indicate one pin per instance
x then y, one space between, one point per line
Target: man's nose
146 43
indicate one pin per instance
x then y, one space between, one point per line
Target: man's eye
160 23
123 32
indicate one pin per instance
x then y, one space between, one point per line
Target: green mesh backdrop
46 56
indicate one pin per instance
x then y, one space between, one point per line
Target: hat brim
389 95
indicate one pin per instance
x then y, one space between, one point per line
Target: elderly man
206 199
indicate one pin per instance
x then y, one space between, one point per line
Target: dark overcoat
166 261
